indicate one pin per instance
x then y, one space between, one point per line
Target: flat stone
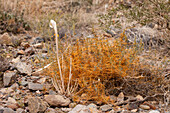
20 52
80 109
36 105
66 109
134 110
57 100
105 108
35 86
38 46
23 68
9 78
154 111
145 107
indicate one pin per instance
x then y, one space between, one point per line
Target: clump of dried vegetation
92 69
93 63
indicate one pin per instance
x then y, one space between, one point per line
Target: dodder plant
85 67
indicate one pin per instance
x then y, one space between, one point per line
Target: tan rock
120 97
36 105
12 103
57 100
139 97
25 45
9 78
145 107
12 106
5 39
21 52
12 100
39 45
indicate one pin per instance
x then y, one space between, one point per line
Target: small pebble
154 111
145 107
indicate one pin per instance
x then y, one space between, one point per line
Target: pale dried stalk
53 25
60 87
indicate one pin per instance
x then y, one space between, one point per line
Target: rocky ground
23 90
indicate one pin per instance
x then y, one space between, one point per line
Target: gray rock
105 108
4 64
35 77
29 51
7 110
9 78
15 86
66 109
16 60
92 106
120 97
35 86
12 100
23 83
80 109
36 105
12 106
38 40
57 100
51 92
6 90
20 110
154 111
23 68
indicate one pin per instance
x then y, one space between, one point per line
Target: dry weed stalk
59 85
